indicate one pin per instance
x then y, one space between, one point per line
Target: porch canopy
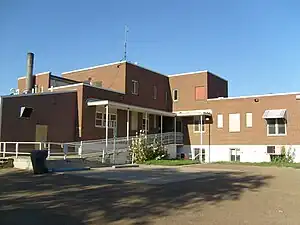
107 104
205 112
275 114
97 102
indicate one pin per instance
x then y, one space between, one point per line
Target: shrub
285 157
143 149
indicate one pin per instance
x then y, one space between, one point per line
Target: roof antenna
125 43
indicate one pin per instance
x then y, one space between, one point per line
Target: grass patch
171 162
266 164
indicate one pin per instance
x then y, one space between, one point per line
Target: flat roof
37 94
253 96
98 102
94 67
187 73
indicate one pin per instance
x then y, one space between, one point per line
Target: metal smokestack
29 76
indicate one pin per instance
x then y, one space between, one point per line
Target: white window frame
230 126
135 87
201 154
249 120
220 122
154 92
111 123
236 150
99 119
276 128
198 124
173 95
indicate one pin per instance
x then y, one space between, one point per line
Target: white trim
95 102
93 67
274 114
78 84
37 74
252 96
193 112
188 73
276 129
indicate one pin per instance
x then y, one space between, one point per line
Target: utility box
38 160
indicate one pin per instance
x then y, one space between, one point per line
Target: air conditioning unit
274 150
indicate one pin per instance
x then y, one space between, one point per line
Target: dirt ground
221 194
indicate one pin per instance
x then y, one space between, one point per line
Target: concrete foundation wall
248 153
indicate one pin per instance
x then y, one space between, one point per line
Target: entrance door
41 133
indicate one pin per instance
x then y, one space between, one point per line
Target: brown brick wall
247 136
41 80
217 87
147 80
58 111
186 84
111 76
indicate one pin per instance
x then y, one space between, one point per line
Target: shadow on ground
67 199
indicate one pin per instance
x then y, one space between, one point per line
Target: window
145 120
154 92
276 126
135 87
154 121
234 122
175 95
200 154
235 155
134 121
248 119
100 120
197 124
219 121
199 93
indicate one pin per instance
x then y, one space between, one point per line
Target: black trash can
38 160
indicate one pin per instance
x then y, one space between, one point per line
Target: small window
135 87
276 127
248 119
154 92
270 149
235 155
199 93
197 124
175 95
100 120
220 121
234 122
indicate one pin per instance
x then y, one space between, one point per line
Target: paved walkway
227 195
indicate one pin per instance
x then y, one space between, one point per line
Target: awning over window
275 114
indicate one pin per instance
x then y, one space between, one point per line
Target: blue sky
255 44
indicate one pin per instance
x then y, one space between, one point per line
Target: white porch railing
89 148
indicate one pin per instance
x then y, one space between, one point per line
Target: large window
175 95
197 124
200 154
235 155
135 87
100 120
276 126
